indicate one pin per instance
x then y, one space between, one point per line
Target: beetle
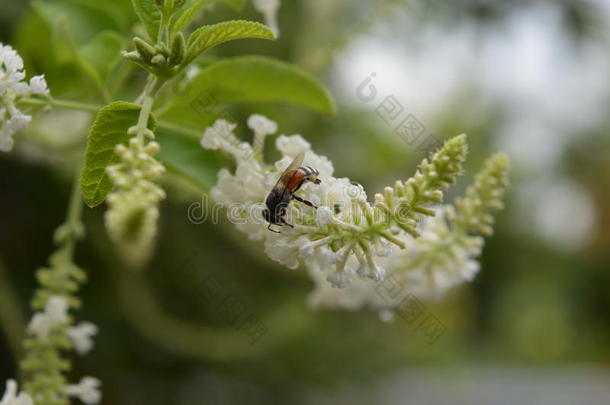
283 192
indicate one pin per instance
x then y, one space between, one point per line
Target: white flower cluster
13 88
55 315
432 264
350 246
11 397
340 239
269 9
443 257
133 211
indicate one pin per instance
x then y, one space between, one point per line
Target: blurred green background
530 78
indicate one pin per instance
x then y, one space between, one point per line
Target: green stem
73 217
148 99
71 105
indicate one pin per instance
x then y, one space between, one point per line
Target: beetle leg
269 227
283 222
304 201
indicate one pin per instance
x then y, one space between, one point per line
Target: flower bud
158 60
133 57
134 142
178 50
144 49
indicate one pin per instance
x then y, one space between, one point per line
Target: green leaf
109 129
209 36
150 15
65 50
103 53
191 9
187 157
87 18
247 79
94 60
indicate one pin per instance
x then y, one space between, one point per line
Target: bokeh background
530 78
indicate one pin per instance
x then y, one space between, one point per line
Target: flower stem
72 105
73 217
148 99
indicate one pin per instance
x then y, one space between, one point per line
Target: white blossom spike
348 244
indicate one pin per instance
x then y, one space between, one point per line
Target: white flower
18 120
11 121
87 390
269 10
216 136
55 313
282 251
262 125
371 270
324 216
339 279
323 260
13 88
306 247
11 66
291 146
81 336
38 85
11 397
221 136
384 249
338 193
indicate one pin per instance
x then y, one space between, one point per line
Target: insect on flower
284 191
